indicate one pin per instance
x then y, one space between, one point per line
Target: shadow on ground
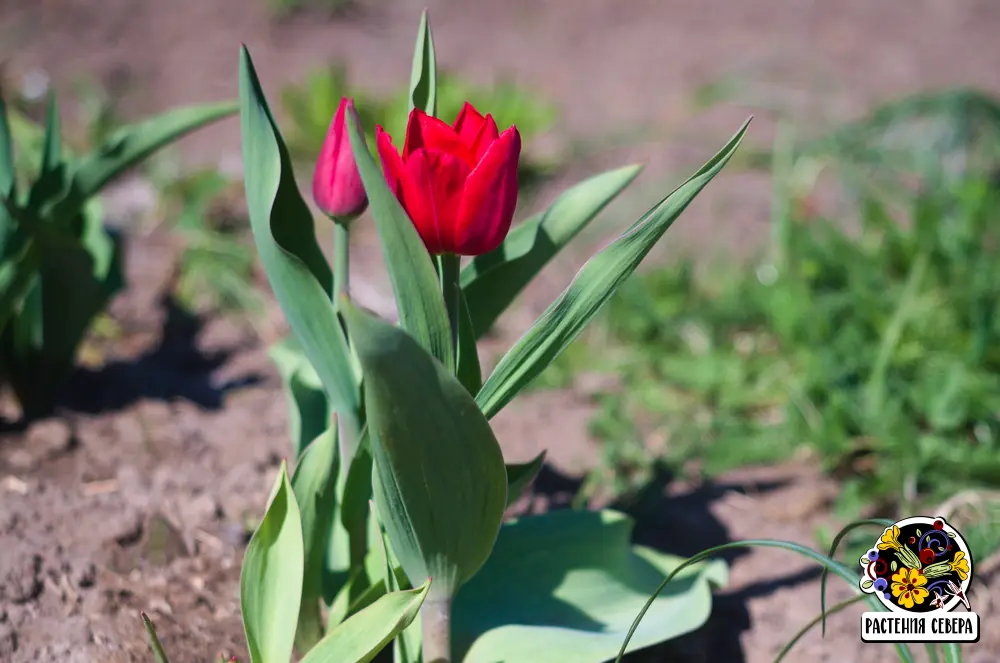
175 368
682 523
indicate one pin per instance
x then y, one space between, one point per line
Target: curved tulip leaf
159 656
590 290
315 487
492 281
132 144
423 78
439 482
519 475
271 578
286 241
364 635
415 282
566 586
308 407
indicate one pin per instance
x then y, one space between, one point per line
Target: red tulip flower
337 187
458 183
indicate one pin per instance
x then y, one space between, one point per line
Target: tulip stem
449 268
348 423
435 627
341 260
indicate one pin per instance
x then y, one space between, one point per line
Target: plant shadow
682 523
174 369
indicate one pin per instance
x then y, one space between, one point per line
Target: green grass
874 349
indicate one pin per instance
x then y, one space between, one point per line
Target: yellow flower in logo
908 587
890 539
960 565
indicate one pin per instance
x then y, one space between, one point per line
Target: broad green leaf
356 497
130 145
468 370
271 578
415 283
566 586
493 280
519 475
308 407
439 483
364 635
349 534
315 486
285 237
590 290
159 656
423 79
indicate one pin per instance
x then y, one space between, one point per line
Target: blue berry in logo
881 585
888 596
872 555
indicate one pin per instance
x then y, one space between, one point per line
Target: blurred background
814 341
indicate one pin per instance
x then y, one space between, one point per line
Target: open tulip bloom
458 183
397 417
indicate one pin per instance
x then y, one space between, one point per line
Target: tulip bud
337 186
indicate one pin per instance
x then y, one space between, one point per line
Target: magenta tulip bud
337 186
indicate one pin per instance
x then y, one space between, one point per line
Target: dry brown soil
135 496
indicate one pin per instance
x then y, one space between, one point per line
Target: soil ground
134 497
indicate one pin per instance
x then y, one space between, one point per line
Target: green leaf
415 283
493 280
364 635
519 475
565 586
423 79
308 407
315 486
154 640
952 652
132 144
440 484
593 286
285 237
52 152
40 345
7 172
356 497
468 370
8 177
271 578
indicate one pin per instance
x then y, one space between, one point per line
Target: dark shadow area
173 369
683 524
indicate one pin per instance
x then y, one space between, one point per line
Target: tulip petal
469 123
426 132
490 197
432 191
487 135
392 163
